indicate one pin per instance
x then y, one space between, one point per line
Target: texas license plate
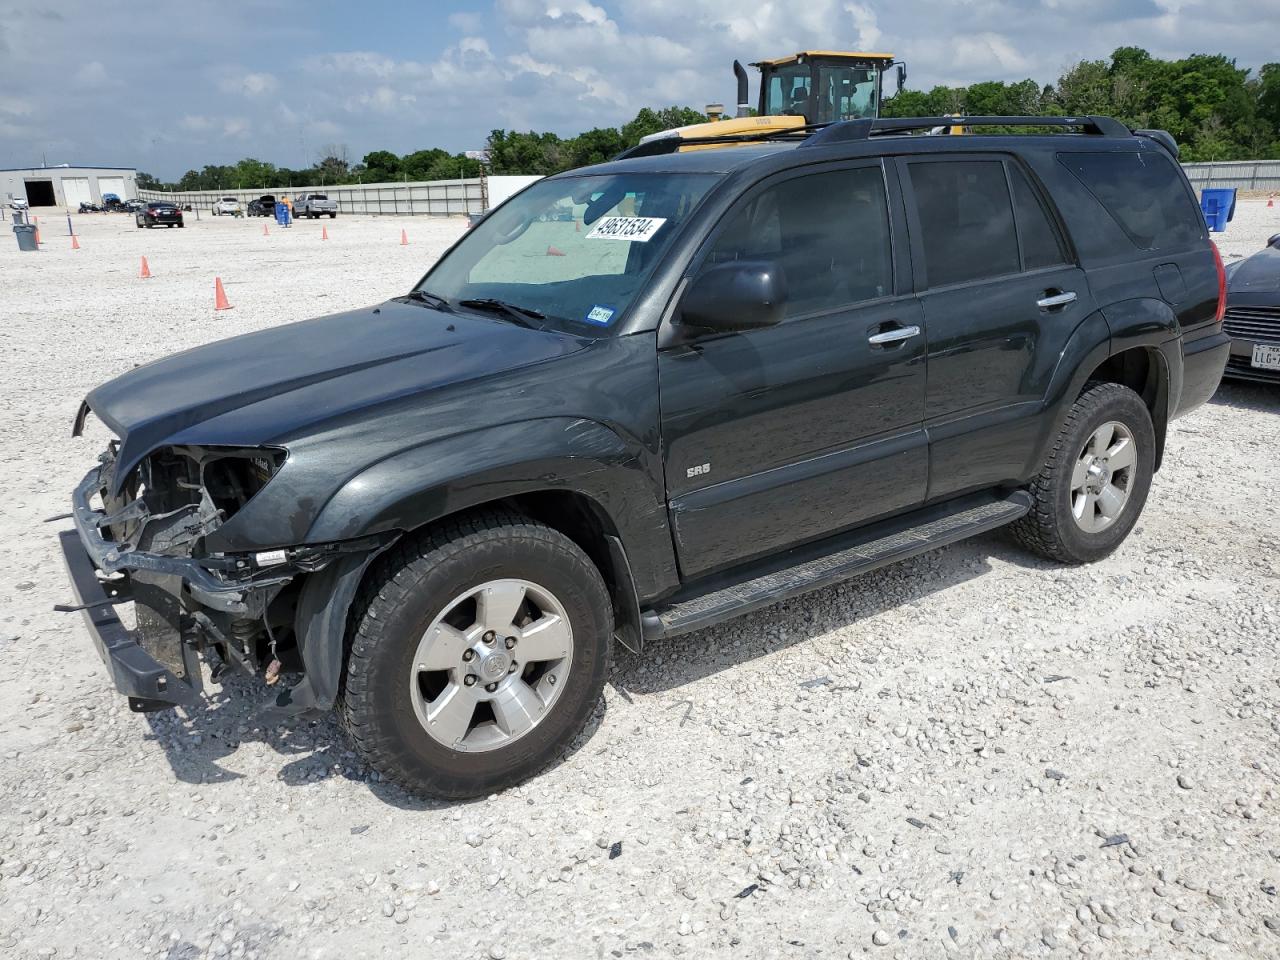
1267 356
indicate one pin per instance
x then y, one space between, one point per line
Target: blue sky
166 86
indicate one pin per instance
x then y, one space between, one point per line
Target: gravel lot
970 754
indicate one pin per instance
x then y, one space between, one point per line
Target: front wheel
1092 488
480 650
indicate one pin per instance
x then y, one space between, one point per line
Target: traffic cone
324 233
145 272
1271 200
38 240
554 252
404 239
265 231
75 242
219 295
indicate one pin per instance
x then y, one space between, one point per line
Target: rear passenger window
1143 192
1041 245
966 219
829 231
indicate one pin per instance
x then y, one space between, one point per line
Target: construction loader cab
824 86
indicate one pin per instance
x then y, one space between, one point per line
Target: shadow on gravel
702 654
1241 394
315 750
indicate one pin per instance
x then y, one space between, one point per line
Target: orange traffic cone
219 295
1271 200
265 231
145 272
404 239
324 233
38 240
75 242
554 252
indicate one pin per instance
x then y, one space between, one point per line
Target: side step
819 565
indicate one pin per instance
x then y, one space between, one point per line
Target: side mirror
902 76
742 295
1274 241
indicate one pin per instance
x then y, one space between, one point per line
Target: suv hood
311 372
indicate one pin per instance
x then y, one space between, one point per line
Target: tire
1070 522
422 580
333 216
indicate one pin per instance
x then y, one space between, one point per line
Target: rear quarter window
1143 192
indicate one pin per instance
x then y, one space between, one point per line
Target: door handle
894 335
1052 300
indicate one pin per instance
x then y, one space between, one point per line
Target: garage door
75 191
111 185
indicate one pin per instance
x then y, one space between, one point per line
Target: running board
823 564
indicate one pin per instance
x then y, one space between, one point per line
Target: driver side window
828 231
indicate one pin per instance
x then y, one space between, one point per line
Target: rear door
1001 295
789 433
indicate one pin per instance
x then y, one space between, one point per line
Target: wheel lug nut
469 680
491 687
512 668
511 642
551 679
489 636
468 655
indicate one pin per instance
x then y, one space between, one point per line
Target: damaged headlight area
179 495
146 543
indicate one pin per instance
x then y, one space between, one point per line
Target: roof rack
843 131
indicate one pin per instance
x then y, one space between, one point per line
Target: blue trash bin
1219 207
282 213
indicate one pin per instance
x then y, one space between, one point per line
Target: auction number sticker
633 229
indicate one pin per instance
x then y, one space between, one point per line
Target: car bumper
1240 363
135 672
1203 360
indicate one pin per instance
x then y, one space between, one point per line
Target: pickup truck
314 205
736 376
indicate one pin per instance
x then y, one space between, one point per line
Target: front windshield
576 249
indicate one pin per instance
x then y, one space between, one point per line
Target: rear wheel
480 650
1094 484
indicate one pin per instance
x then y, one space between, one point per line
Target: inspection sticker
634 229
600 315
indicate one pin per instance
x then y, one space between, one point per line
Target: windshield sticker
601 316
633 229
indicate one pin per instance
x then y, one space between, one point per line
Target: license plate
1267 356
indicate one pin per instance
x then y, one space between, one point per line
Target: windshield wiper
521 315
430 299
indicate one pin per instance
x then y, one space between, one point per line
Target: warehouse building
67 186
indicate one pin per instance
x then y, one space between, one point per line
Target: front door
786 434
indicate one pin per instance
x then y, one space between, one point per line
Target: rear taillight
1222 284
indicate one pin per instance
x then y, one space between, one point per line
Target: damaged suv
736 374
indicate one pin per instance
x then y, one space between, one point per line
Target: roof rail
844 131
863 129
1162 137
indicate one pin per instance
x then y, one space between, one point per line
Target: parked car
157 213
86 207
264 206
228 206
131 206
313 205
1253 315
18 203
754 371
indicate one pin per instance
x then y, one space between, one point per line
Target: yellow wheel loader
806 88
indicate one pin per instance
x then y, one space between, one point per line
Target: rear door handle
894 335
1056 299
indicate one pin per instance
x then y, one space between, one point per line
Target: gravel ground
970 754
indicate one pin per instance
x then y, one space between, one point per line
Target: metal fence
436 198
1260 175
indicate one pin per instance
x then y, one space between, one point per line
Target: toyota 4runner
736 374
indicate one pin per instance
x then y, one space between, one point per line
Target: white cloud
92 74
256 84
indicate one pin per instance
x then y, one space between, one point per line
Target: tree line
1214 109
